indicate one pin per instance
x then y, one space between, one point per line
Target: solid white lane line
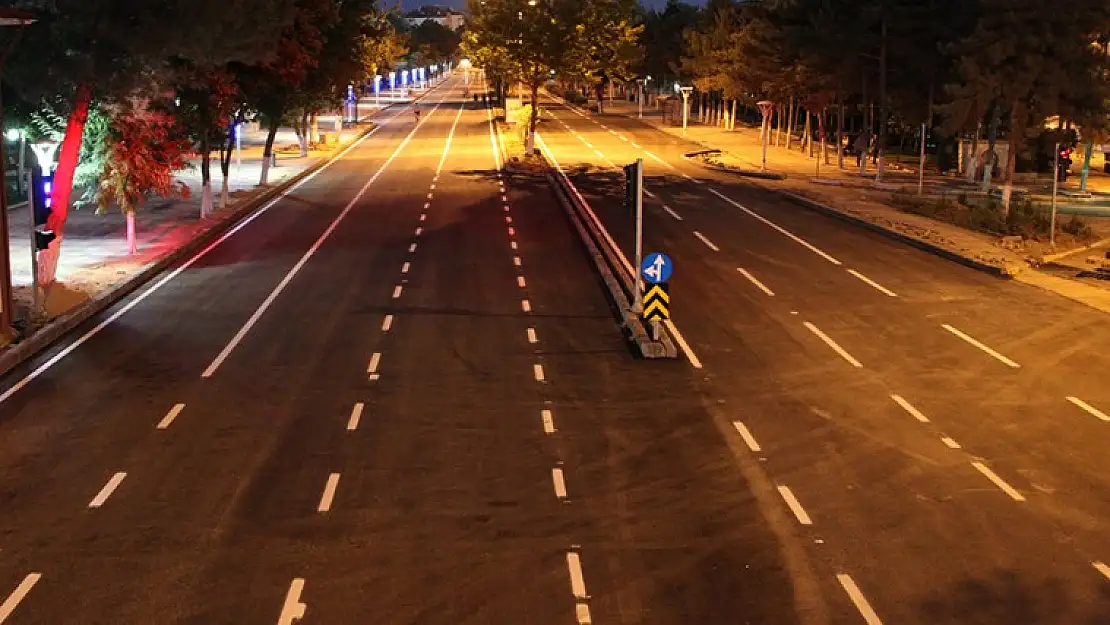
981 346
672 213
412 248
878 287
387 323
397 291
292 609
1099 566
559 482
447 145
512 245
548 421
375 360
405 267
950 442
17 596
235 340
170 416
745 434
67 350
778 228
525 305
861 603
998 481
908 407
795 505
356 416
532 335
520 282
516 260
577 580
107 491
759 285
537 372
707 242
1089 408
831 343
329 493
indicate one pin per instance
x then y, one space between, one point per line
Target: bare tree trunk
822 131
991 156
780 115
839 131
268 151
970 164
1017 135
302 134
732 117
807 142
533 119
205 175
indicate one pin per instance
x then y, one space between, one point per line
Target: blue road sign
656 268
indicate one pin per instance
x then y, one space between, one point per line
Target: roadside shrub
1077 228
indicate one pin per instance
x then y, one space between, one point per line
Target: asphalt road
934 438
396 395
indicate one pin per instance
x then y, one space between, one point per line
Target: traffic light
631 180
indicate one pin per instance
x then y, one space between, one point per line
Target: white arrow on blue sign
656 268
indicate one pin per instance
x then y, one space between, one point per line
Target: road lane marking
998 481
432 187
795 505
981 346
1089 408
861 603
745 434
405 267
762 287
582 614
649 193
430 196
532 336
952 444
512 232
548 421
588 144
878 287
577 580
537 372
506 208
504 198
559 482
447 146
412 248
508 219
831 343
797 239
356 416
427 205
17 596
598 152
419 231
690 178
423 216
235 340
908 407
329 493
292 609
623 138
707 242
512 245
387 323
170 416
655 158
372 368
525 305
520 282
635 145
397 291
516 260
1099 566
672 213
107 491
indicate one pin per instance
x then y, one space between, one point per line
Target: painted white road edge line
537 372
797 239
795 505
17 596
292 609
983 347
356 416
107 490
329 493
701 237
548 421
875 285
833 344
1089 408
861 603
762 287
998 481
745 434
170 416
908 407
559 482
235 340
577 580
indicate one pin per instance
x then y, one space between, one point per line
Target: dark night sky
458 4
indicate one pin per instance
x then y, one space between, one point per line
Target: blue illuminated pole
44 150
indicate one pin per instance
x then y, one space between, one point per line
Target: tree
432 42
663 40
604 44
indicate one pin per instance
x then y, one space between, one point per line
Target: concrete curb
57 328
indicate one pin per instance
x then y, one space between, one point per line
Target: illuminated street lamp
685 91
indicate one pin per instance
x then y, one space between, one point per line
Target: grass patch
1028 220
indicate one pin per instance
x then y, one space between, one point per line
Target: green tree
432 42
663 40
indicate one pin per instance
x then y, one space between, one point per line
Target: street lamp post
765 107
1055 189
685 91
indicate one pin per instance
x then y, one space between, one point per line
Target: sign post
634 178
765 108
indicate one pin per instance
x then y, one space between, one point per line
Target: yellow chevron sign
657 302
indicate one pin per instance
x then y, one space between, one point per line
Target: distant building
444 16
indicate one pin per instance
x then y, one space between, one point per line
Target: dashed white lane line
548 421
623 138
387 323
405 267
520 282
525 305
795 505
419 231
506 208
432 187
372 367
1099 566
759 285
1089 408
908 407
412 248
635 145
745 434
686 176
356 416
707 242
430 196
537 372
996 355
532 336
504 198
423 216
329 493
293 609
17 596
672 213
427 205
833 344
655 158
577 580
559 483
512 232
951 443
512 245
170 416
588 144
875 285
397 291
516 260
649 193
998 481
861 603
107 491
582 614
799 240
508 219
